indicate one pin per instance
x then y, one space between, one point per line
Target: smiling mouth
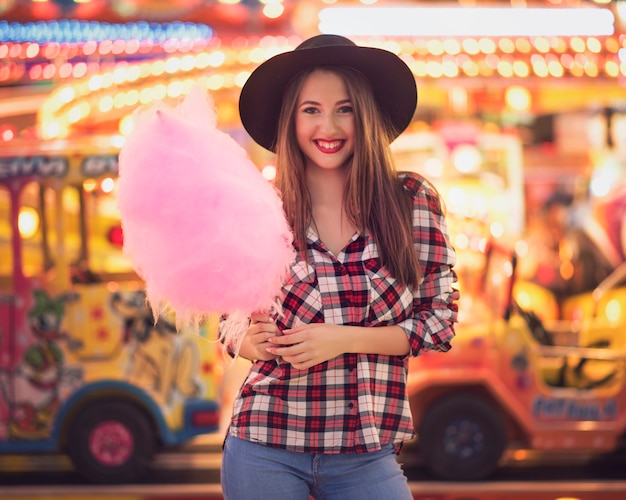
329 146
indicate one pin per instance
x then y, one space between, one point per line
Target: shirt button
341 268
350 405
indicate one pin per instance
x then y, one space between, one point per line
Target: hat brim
261 96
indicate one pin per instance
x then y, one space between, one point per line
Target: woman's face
325 121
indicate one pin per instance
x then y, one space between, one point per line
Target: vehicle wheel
111 442
461 437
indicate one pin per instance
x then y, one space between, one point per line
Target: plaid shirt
353 403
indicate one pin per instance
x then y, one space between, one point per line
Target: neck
326 186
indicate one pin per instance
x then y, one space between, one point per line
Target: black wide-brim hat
261 96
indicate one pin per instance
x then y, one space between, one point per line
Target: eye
345 109
310 110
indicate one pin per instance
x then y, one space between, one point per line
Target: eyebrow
338 103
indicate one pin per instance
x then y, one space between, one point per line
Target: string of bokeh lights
102 69
53 50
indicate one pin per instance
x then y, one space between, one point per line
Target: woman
324 409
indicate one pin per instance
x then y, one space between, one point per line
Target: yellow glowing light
540 68
273 11
461 241
107 80
172 65
542 45
594 45
7 134
74 114
505 69
159 92
216 58
269 172
434 69
71 201
158 67
506 45
95 83
202 60
450 69
144 70
523 45
487 45
555 69
133 74
591 70
518 98
132 97
89 185
471 46
611 69
119 74
126 125
107 185
119 101
434 167
496 229
470 68
28 222
613 311
466 158
66 94
419 68
187 62
241 78
577 44
52 130
566 270
145 95
521 248
175 89
105 104
456 199
521 69
435 47
523 299
256 55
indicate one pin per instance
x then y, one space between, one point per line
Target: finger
286 339
297 329
260 317
256 328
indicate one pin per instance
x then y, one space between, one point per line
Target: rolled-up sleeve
435 300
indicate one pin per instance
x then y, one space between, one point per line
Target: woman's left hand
308 345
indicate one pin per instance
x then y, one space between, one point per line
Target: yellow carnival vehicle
519 378
84 368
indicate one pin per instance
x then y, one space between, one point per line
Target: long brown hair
374 198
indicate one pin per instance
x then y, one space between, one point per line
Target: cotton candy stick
202 226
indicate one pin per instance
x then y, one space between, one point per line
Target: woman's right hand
255 343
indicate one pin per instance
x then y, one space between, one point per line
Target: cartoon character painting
158 358
39 378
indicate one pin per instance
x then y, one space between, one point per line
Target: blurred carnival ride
533 367
84 367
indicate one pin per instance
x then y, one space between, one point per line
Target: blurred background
521 126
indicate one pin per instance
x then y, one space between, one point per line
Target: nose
328 123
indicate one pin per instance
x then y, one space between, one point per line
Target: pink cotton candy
204 229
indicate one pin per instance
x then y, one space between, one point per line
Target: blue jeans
252 471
